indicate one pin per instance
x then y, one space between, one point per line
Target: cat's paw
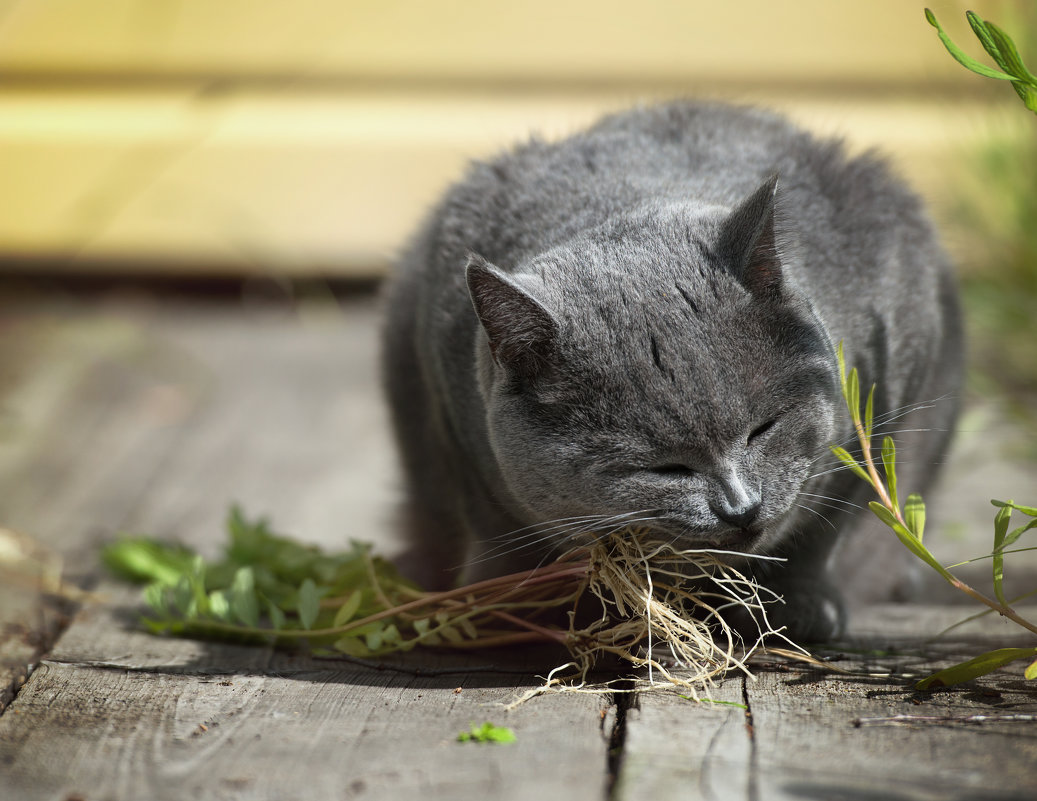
809 617
804 616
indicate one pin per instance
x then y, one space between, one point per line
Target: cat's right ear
521 332
748 242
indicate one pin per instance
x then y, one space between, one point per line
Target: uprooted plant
653 604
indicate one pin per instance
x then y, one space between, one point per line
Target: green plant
994 212
907 521
269 589
1001 48
487 733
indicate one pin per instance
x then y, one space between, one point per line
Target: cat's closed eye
761 429
673 470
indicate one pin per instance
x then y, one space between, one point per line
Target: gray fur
634 321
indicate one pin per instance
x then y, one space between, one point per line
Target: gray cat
637 325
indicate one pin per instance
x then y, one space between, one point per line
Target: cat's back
541 194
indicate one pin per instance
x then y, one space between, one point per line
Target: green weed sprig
908 523
1001 48
270 589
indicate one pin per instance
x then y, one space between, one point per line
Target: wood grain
116 733
152 416
678 748
800 737
807 745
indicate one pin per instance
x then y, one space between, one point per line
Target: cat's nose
738 503
739 516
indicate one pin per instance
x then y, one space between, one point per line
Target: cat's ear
522 333
748 244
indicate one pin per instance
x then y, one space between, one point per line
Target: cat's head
661 370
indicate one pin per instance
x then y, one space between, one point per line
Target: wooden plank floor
133 412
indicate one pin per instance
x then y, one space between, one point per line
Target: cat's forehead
622 288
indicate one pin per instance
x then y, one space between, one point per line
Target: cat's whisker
836 469
542 533
833 506
832 499
598 534
824 519
552 532
509 536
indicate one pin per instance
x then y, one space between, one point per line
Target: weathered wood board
137 414
114 712
294 732
798 731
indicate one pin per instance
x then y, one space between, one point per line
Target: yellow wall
306 137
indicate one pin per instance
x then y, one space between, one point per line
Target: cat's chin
737 540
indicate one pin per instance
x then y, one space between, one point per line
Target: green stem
954 581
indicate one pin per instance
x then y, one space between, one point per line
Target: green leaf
373 638
309 603
981 30
1016 533
842 367
1028 95
1031 671
973 668
887 517
277 617
468 628
853 395
425 635
844 456
219 606
243 601
183 597
1001 522
869 413
348 610
143 561
1026 510
960 56
155 597
487 733
351 646
889 461
914 515
1009 59
907 538
197 579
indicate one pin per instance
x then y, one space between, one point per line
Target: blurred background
227 150
242 139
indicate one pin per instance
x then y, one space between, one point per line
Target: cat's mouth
742 540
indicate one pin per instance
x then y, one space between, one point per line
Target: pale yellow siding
308 137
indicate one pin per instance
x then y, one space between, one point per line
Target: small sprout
487 733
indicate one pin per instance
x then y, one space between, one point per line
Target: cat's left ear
747 241
522 333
